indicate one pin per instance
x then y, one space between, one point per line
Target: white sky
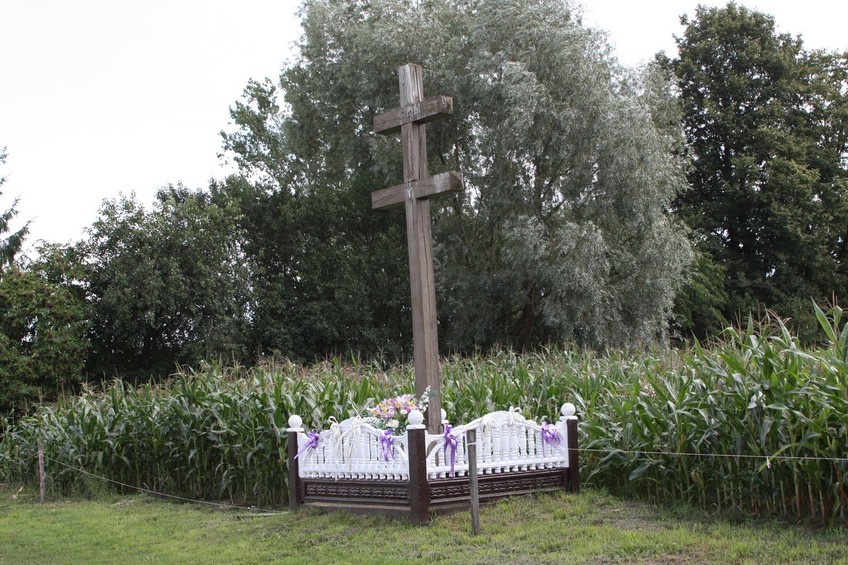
99 97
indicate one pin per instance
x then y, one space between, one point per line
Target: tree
43 323
765 122
325 271
167 286
329 272
11 244
43 332
700 303
564 230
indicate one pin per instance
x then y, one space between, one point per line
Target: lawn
592 527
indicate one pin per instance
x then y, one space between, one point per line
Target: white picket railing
352 449
506 441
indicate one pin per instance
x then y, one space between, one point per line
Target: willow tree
564 231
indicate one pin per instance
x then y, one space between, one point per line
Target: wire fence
252 509
769 458
767 462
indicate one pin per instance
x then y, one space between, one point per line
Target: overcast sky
99 97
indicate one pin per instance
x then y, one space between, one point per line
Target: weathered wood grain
421 112
427 187
414 194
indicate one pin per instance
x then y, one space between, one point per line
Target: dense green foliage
167 286
758 424
564 231
766 125
44 324
328 275
755 423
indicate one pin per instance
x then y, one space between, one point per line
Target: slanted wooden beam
420 112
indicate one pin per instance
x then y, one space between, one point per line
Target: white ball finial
444 415
416 418
568 410
295 421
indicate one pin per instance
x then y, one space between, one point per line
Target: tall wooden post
471 444
414 194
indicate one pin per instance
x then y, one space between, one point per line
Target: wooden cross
415 193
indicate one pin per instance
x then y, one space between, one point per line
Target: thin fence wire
768 462
769 458
165 495
256 511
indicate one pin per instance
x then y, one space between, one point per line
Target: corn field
753 422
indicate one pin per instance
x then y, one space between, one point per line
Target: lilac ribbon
311 442
550 434
387 442
450 441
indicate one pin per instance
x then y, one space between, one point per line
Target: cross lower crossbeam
397 195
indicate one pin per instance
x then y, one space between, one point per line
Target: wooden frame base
395 498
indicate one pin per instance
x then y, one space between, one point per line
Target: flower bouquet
393 413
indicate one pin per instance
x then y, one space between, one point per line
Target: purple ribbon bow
311 442
387 442
450 441
550 434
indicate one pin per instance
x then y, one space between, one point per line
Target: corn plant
752 423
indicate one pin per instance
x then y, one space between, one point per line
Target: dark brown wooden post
295 492
419 486
414 194
573 484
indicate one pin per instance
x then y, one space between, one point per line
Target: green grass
588 528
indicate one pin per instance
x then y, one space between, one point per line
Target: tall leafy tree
563 232
168 285
43 323
325 271
329 274
44 320
766 125
11 244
